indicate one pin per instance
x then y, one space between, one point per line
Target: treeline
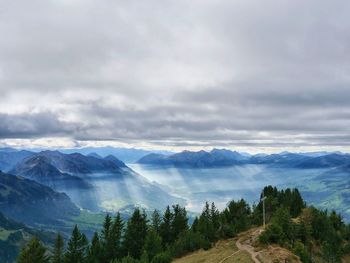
161 237
312 234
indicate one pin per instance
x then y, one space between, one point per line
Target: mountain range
127 155
92 182
202 158
224 158
33 203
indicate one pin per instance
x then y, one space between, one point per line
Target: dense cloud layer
178 73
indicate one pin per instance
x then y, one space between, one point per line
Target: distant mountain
279 159
93 183
14 235
156 159
223 157
215 158
76 163
325 161
8 149
93 154
318 154
40 169
114 160
127 155
10 157
33 203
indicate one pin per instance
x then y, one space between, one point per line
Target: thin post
264 217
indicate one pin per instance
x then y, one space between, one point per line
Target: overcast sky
250 75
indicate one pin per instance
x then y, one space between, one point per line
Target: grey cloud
32 125
183 73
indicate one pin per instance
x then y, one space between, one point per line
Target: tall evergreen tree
135 234
179 223
77 247
165 227
153 244
33 252
215 220
205 224
58 250
116 237
95 250
156 221
106 239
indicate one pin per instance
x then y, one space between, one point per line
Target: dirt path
248 249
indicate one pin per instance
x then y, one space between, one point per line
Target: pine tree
116 236
135 234
106 242
77 247
33 252
195 223
165 227
156 221
205 225
179 223
95 250
58 250
215 220
153 244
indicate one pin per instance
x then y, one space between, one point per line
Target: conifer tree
33 252
106 239
95 250
165 227
116 237
58 250
205 225
135 234
153 244
77 247
179 223
156 221
195 223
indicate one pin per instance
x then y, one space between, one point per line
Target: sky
249 75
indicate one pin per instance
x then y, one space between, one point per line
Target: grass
222 250
88 222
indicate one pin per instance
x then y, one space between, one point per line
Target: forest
311 234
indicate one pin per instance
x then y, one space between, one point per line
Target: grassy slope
222 250
227 252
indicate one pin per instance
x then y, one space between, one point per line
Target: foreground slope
244 249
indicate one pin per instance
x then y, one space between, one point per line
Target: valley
326 188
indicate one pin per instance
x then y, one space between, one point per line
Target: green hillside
294 233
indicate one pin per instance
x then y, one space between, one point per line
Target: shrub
189 241
163 257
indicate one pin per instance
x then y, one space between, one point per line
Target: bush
189 241
163 257
300 250
273 234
